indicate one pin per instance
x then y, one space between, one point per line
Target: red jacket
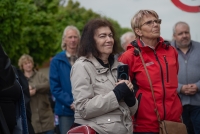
162 66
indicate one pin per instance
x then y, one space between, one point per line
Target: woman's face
27 66
104 40
149 30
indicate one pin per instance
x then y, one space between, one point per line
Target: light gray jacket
95 102
189 72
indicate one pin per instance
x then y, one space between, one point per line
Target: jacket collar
97 64
62 57
147 48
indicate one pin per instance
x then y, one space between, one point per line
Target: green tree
73 14
35 27
12 19
28 27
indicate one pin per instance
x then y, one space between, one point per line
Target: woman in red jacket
161 62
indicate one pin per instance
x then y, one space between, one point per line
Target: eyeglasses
151 22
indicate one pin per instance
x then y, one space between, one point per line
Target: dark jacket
162 65
60 84
10 81
24 83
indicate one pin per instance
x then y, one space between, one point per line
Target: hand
190 89
72 106
32 90
128 83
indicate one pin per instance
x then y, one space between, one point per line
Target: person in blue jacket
59 76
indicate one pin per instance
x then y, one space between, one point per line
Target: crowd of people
83 81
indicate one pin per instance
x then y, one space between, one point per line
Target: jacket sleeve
7 75
86 103
55 85
43 86
177 64
134 108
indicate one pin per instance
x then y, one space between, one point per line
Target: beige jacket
95 101
42 115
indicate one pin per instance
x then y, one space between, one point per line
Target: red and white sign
188 5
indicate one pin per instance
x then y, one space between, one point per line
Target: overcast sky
123 10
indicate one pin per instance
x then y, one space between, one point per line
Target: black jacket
7 79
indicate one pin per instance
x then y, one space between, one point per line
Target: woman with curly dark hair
101 101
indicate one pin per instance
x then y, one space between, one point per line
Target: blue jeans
65 123
191 118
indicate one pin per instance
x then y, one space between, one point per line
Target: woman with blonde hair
161 62
42 115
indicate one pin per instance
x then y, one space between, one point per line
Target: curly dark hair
88 44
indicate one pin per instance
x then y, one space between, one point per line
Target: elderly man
60 84
126 39
188 76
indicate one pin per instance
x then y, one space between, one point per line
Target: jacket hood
160 41
96 63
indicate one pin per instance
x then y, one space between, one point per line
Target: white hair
125 36
63 45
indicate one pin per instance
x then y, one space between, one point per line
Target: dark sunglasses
151 22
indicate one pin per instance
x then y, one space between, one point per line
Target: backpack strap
135 45
165 45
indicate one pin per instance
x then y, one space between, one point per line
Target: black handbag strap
3 124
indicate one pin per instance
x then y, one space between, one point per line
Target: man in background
59 76
188 76
125 40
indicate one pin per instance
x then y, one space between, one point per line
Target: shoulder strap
135 45
150 83
166 44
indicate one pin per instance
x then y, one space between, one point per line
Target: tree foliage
35 27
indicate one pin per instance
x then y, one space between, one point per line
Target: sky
123 10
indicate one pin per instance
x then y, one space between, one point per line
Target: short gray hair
180 22
125 36
71 27
137 18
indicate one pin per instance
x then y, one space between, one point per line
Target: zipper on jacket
163 85
166 63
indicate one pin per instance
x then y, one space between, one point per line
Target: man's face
71 39
182 35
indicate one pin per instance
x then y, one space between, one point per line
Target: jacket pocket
102 84
101 78
107 119
170 71
167 68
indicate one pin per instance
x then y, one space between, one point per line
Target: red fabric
81 130
162 66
